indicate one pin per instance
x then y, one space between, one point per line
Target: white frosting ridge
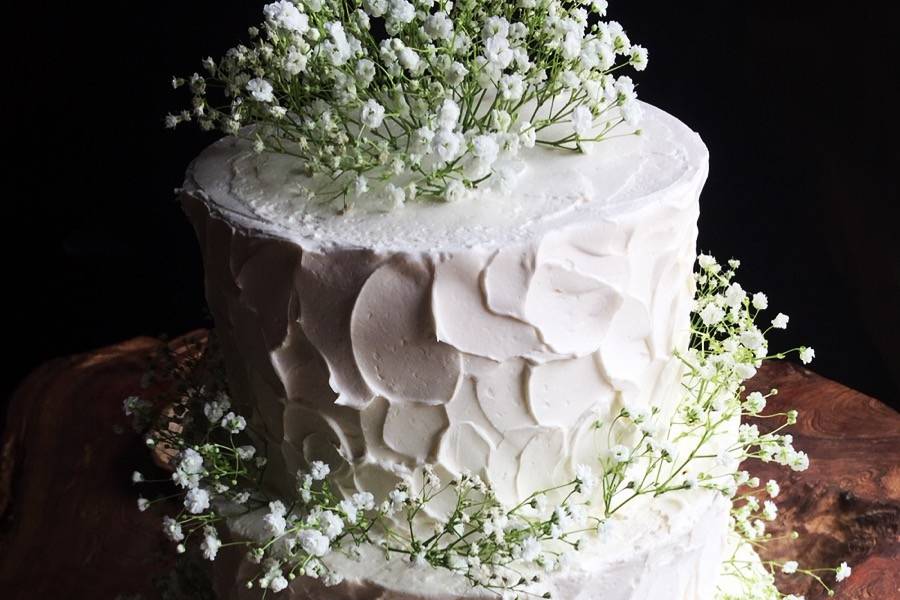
485 335
398 335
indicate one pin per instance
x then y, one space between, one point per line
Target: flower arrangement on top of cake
427 99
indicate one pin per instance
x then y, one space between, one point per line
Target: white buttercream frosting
485 335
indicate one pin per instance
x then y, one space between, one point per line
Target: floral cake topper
399 99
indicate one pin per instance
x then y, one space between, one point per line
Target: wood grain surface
69 526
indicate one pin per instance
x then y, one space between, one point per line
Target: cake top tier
557 188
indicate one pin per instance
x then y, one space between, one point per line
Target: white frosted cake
484 336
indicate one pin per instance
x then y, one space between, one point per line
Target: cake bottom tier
665 548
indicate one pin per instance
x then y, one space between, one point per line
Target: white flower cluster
442 103
481 540
727 348
217 413
725 314
488 543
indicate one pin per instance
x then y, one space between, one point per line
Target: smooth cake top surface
557 188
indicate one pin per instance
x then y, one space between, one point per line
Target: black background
796 100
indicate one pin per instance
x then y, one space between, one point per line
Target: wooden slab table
69 527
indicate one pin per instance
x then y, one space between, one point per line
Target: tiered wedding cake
487 335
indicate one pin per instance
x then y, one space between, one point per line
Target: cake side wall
493 361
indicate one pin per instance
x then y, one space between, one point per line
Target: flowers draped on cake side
492 545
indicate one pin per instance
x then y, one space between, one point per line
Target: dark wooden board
69 527
846 506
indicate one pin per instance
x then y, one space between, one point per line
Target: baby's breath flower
172 529
233 423
512 87
582 121
319 470
350 510
372 114
261 90
789 567
755 403
190 467
214 410
706 262
734 296
274 521
314 542
278 583
394 196
331 524
211 543
760 301
780 321
531 549
364 500
807 355
395 501
401 11
745 371
447 145
619 453
798 461
843 572
712 314
528 135
196 501
586 477
284 14
638 57
455 191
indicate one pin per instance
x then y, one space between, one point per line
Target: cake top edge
268 195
